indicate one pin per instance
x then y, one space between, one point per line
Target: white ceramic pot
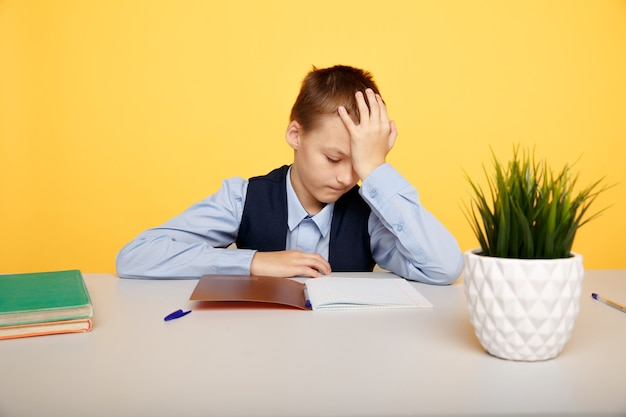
523 309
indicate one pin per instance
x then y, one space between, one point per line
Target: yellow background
117 115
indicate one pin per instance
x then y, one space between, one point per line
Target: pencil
609 302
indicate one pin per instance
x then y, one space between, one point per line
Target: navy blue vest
264 223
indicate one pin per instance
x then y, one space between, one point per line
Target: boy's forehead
336 150
331 134
332 125
334 136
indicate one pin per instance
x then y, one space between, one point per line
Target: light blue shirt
405 238
307 233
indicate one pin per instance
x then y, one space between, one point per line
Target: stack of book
44 303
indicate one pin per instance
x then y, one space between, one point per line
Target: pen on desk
608 302
176 314
307 303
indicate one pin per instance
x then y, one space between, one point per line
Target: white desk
282 362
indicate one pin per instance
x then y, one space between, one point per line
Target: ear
294 134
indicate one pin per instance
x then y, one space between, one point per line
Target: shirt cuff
383 183
235 261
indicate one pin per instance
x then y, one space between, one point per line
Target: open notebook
325 293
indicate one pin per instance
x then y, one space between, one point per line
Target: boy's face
322 168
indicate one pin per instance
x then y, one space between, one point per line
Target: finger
364 111
320 264
308 272
374 111
345 118
393 134
384 117
313 271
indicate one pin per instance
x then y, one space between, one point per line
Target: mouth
337 190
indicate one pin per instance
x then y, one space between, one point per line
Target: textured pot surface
523 309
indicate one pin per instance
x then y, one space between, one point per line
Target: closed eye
333 160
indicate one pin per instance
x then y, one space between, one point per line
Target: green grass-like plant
529 211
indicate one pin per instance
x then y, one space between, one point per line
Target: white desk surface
283 362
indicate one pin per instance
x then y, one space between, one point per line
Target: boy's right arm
193 243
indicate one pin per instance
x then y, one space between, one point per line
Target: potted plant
523 285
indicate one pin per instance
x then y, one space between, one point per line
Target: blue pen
176 314
307 304
608 302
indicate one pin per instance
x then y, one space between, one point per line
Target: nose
346 175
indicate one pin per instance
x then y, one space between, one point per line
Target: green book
43 297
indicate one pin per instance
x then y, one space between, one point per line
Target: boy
310 218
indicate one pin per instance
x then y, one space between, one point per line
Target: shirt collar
296 213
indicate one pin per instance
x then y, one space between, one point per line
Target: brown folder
250 288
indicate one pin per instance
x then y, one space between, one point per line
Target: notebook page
337 293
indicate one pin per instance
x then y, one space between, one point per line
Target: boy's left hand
374 136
